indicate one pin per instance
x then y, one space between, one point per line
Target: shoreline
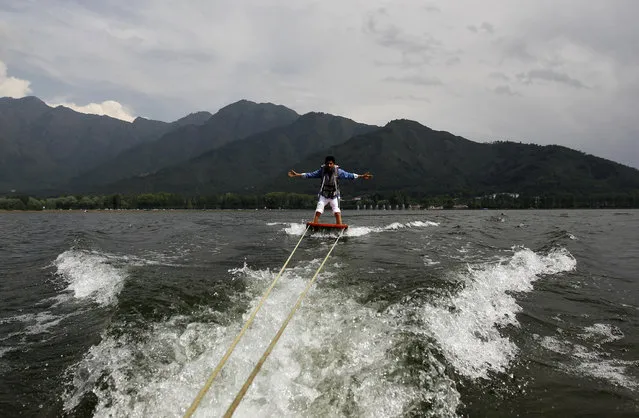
256 209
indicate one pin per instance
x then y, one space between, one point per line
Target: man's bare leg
316 219
338 218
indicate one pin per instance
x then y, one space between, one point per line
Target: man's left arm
343 174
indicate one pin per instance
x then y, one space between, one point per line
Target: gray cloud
572 65
13 7
414 98
414 48
484 27
499 76
608 28
515 48
416 80
549 75
505 90
487 27
453 60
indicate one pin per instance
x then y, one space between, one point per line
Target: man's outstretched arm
314 174
343 174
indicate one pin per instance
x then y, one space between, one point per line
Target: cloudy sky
537 71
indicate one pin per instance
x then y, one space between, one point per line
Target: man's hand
293 173
366 176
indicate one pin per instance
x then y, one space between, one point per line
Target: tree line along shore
285 200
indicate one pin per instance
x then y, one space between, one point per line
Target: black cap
329 158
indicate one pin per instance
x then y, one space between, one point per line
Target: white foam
614 371
295 229
422 224
40 322
395 225
592 363
333 359
602 333
5 350
30 324
466 325
358 231
429 261
91 275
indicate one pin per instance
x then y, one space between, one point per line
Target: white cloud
107 107
17 88
12 86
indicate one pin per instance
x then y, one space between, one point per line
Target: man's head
329 160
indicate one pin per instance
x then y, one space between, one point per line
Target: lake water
415 313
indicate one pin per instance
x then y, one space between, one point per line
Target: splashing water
467 324
333 359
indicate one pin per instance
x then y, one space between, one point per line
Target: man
329 190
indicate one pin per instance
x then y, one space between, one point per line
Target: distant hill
156 128
195 118
405 155
247 148
233 122
41 146
244 165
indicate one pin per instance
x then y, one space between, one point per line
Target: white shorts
323 201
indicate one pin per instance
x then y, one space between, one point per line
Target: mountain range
248 147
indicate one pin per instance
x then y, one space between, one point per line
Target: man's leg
336 211
320 208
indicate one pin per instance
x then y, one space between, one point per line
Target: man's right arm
315 174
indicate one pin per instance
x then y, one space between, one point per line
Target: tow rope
258 366
216 371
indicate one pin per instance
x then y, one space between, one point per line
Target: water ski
318 227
